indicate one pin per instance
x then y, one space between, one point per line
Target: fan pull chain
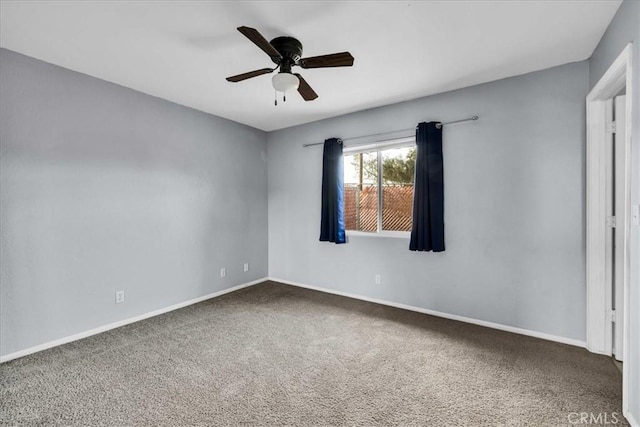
284 98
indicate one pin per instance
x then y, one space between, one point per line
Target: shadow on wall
105 188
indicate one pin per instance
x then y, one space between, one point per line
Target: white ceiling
183 50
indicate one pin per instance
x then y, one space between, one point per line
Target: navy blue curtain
427 232
332 221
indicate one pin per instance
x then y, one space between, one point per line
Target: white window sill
392 234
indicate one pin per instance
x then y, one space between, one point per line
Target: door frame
599 292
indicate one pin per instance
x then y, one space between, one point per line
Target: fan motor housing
290 49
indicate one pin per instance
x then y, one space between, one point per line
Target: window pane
361 192
398 166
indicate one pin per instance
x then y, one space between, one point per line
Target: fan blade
342 59
253 35
245 76
305 90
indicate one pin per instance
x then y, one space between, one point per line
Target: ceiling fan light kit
286 52
283 82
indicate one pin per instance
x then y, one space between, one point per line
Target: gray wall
625 28
514 206
105 188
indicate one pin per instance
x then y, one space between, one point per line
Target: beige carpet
278 355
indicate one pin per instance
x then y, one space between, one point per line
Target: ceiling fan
286 52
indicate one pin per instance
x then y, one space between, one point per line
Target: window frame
378 147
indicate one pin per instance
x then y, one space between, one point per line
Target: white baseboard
499 326
120 323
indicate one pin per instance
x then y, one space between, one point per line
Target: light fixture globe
283 82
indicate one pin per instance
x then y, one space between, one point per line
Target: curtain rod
439 125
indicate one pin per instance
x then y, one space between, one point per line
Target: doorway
608 213
616 207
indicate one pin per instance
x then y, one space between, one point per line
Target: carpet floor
273 354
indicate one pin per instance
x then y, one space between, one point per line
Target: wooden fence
361 207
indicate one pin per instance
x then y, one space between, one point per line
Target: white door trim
599 293
620 205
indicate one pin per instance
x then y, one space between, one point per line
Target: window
379 206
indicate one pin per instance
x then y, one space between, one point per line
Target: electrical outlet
223 272
378 279
246 267
119 297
